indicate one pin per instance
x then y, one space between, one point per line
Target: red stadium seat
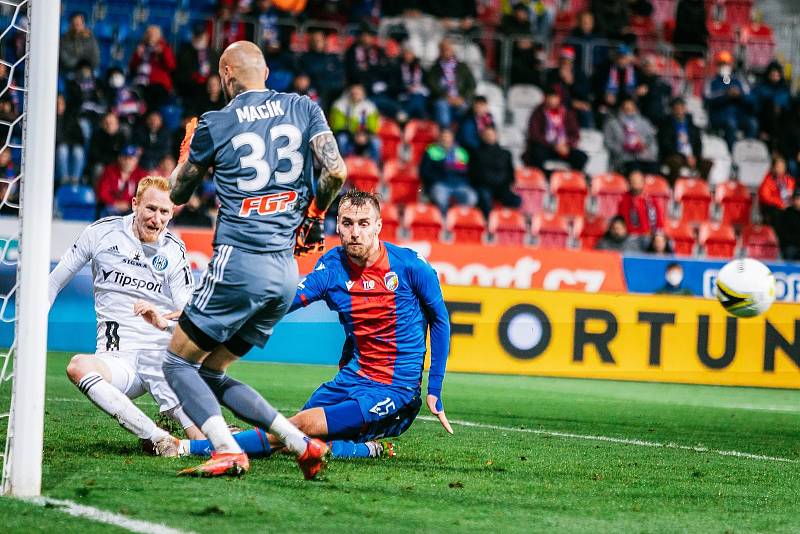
760 242
362 173
694 197
391 47
490 12
402 178
657 188
391 136
423 221
507 226
720 37
419 134
531 185
550 230
663 10
592 229
735 201
335 44
696 71
737 12
390 219
569 188
759 45
718 240
608 188
682 237
644 28
465 224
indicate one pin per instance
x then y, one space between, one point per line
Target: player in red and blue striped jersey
388 299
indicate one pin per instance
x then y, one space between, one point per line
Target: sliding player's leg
110 382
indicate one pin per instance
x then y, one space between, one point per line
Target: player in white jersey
139 269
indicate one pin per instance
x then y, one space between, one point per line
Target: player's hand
436 408
149 313
183 155
311 234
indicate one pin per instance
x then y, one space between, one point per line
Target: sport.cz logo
268 204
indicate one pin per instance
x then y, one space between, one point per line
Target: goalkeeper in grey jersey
139 269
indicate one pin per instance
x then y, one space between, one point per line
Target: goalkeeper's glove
183 155
311 234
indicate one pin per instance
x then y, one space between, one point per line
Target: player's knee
311 422
78 366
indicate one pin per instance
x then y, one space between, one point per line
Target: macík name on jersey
267 110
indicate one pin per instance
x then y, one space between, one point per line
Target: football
745 287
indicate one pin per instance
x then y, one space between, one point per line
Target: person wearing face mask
631 139
729 102
126 103
673 278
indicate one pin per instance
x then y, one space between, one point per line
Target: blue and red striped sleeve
311 288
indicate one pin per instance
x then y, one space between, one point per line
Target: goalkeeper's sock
117 405
351 449
248 405
198 401
254 442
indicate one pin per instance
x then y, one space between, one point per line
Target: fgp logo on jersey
391 280
269 204
160 262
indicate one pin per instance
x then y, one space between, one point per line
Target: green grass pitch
541 471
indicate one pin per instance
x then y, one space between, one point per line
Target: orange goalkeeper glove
311 234
183 155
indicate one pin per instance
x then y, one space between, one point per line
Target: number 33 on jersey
259 147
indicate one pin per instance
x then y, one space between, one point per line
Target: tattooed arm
334 171
184 180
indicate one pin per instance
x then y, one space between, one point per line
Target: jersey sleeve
181 282
317 123
426 286
201 150
311 288
76 257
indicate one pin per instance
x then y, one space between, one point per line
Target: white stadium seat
715 149
752 161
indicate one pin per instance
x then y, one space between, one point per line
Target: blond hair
159 182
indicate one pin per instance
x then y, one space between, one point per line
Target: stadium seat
592 229
735 202
402 179
513 139
694 199
390 218
550 230
418 135
716 149
718 240
522 100
495 99
694 105
669 70
423 222
696 70
465 224
720 37
752 161
76 202
391 136
507 226
591 142
362 173
759 241
531 185
737 12
682 237
663 10
759 45
569 189
608 190
657 188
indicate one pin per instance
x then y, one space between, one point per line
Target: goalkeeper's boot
313 460
168 447
384 449
221 464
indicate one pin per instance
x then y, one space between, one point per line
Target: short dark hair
358 198
671 265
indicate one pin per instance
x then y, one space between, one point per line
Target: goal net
28 78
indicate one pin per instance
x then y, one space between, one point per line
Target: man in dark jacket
553 134
492 173
365 62
107 143
680 143
788 229
154 140
691 33
195 62
452 85
325 70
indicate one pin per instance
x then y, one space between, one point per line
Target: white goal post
22 465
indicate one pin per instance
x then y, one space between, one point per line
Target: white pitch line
103 516
608 439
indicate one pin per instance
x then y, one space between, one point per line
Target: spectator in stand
267 18
107 143
8 114
365 62
659 244
451 84
196 62
631 139
117 185
70 155
772 97
788 229
458 16
165 166
85 98
691 33
282 66
152 65
210 99
351 114
590 48
611 18
642 215
302 86
193 213
775 192
653 94
473 124
325 71
619 78
78 45
518 23
526 65
553 134
492 173
673 278
444 171
640 8
153 139
617 237
413 96
573 86
789 140
680 143
727 97
123 101
230 22
7 174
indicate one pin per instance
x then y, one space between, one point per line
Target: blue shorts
243 293
359 409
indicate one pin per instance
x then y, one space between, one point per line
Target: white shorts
139 371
